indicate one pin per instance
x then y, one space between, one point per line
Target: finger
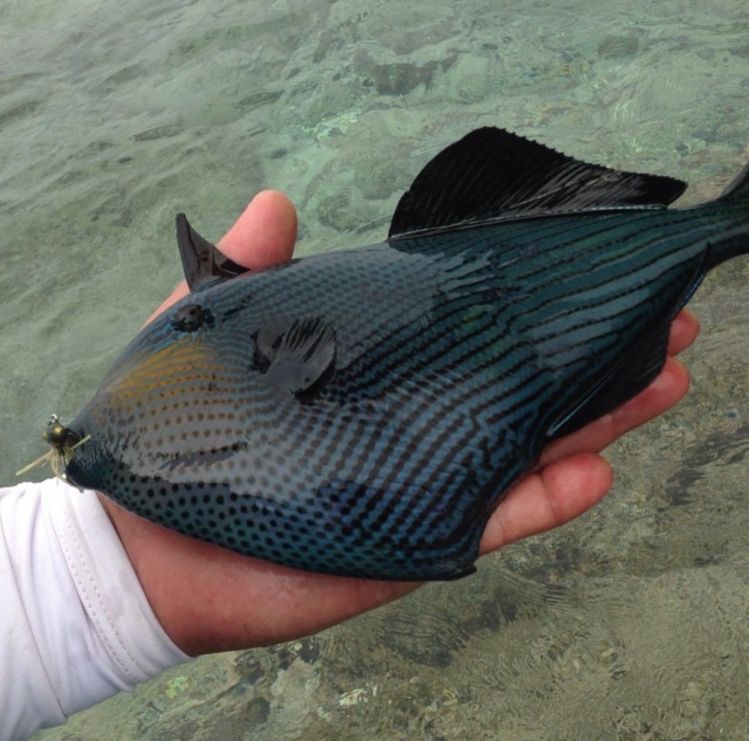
684 331
262 236
558 493
665 391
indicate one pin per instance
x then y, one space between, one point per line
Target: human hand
209 599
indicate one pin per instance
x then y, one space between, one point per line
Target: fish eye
192 317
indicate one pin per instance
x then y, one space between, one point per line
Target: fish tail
734 239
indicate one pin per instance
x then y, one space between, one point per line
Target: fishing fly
63 443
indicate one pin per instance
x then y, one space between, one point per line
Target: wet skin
209 599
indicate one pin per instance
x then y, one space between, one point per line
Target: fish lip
75 474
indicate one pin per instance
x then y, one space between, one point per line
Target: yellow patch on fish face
185 363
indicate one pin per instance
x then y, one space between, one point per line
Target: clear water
632 622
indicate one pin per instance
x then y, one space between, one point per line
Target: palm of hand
209 599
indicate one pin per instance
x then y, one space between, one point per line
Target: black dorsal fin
492 173
201 260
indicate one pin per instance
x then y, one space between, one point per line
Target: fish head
169 404
192 391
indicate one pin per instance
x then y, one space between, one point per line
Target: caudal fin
735 239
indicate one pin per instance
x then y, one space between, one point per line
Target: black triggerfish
363 412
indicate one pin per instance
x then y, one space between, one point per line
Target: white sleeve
75 625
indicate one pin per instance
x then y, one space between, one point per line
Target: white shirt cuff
75 624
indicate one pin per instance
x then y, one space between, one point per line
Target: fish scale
363 412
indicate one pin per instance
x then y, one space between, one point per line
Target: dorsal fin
492 173
201 260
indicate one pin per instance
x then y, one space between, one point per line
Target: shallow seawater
632 622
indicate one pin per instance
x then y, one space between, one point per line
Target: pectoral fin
297 355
